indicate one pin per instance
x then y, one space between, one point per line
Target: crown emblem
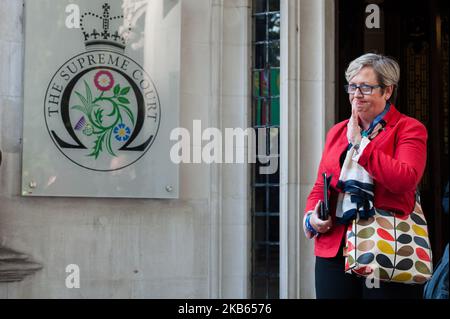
104 29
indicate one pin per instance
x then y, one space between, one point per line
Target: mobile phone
325 205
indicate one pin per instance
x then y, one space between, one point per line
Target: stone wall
193 247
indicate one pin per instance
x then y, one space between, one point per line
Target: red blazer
395 159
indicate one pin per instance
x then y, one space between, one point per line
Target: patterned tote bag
390 248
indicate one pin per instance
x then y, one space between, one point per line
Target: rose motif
104 80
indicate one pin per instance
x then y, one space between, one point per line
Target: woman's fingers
354 118
316 209
353 128
321 226
324 226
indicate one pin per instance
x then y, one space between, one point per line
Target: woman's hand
353 129
320 226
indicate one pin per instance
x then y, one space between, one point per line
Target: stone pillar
229 108
234 112
307 112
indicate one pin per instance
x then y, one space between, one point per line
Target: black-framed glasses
365 89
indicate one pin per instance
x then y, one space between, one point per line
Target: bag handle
418 197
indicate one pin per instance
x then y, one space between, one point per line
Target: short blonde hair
386 69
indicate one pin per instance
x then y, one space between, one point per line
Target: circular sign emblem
102 110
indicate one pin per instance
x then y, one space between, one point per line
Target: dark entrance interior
415 33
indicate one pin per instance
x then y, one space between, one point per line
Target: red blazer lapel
391 119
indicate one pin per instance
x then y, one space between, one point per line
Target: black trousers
333 283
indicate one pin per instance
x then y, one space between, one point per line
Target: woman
394 159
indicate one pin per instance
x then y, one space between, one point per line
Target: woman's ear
388 92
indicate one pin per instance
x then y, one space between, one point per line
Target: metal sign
101 96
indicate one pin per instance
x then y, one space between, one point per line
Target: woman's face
369 106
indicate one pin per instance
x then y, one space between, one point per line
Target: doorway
415 33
